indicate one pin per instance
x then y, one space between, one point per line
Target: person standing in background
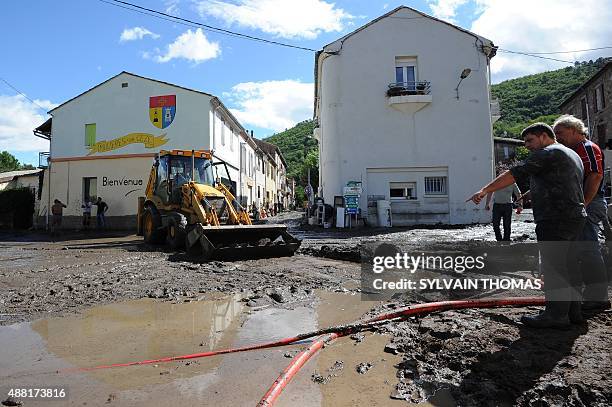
102 208
86 214
502 209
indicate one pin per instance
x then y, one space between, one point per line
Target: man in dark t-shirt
102 208
555 175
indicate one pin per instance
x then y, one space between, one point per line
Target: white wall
359 130
119 111
260 179
119 182
247 171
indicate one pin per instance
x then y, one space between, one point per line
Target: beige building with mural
104 140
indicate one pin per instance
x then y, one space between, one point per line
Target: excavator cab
190 203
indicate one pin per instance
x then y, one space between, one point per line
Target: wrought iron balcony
409 97
409 88
43 159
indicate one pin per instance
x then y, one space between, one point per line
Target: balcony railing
43 160
409 88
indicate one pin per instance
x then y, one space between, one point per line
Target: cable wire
190 23
21 93
569 52
137 8
534 56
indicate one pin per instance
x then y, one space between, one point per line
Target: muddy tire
177 233
151 221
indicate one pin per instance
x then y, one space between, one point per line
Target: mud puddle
32 354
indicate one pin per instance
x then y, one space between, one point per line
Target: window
218 130
583 108
406 72
258 192
124 85
402 190
601 135
600 102
243 166
90 189
223 131
435 186
90 134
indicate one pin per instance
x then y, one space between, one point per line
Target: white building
103 142
394 113
260 177
248 173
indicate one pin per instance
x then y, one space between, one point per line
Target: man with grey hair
571 132
555 173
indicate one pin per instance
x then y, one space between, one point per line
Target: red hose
290 371
411 310
299 360
280 342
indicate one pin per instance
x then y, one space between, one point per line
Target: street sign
352 190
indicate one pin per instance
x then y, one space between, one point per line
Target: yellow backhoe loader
190 203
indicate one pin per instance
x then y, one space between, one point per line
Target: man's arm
591 186
487 204
504 180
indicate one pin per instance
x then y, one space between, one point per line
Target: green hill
537 97
300 151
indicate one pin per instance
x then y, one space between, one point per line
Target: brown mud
87 299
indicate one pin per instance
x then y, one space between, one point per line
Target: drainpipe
240 144
586 98
50 162
490 117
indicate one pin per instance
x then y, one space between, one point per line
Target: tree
537 97
8 162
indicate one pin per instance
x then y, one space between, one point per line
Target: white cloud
172 7
136 33
193 46
445 9
282 18
542 26
18 119
274 105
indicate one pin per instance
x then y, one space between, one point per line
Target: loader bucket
233 242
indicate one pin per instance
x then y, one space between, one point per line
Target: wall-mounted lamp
464 74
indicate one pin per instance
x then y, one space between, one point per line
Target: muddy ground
470 357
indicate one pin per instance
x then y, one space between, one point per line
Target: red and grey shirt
592 159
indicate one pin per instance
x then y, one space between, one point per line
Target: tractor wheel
151 222
176 231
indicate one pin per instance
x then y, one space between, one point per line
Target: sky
55 50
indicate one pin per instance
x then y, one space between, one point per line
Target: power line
21 93
137 8
570 52
534 55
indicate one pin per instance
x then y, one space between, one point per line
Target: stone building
592 102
